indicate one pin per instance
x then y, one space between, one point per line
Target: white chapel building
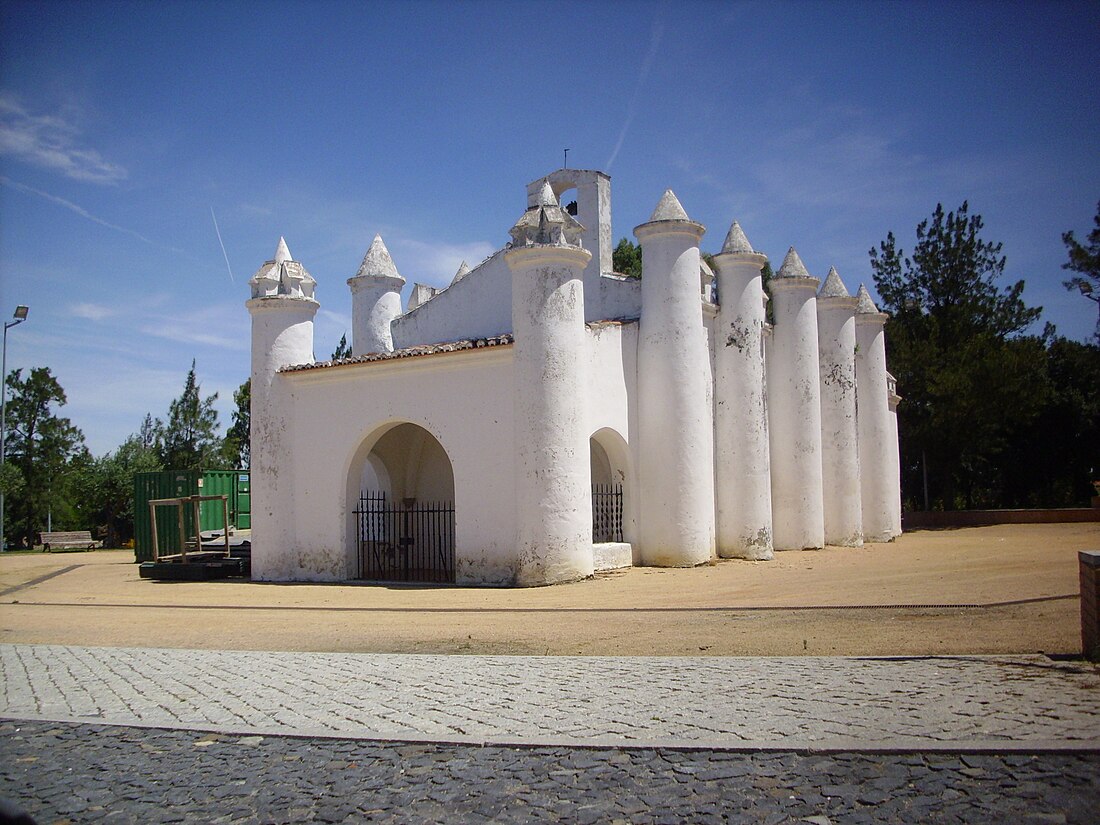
542 417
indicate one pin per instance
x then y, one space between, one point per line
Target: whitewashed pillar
375 300
553 478
895 454
743 528
675 440
282 309
836 331
794 410
876 465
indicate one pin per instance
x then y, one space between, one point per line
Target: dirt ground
1004 589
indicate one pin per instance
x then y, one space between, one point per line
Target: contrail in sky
227 266
655 34
80 210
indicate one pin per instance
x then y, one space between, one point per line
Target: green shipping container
176 484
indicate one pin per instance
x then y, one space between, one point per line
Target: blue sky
822 125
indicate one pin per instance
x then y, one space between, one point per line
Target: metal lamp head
21 313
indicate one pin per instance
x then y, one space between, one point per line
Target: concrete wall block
1089 565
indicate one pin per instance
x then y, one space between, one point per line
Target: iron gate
607 513
406 542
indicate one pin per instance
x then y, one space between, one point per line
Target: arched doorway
612 507
401 487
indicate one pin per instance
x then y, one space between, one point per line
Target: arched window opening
404 509
567 199
607 497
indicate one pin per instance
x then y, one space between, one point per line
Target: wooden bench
70 540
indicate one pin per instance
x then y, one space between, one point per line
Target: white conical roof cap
865 304
669 209
545 196
463 271
377 263
282 251
833 286
736 240
792 266
282 276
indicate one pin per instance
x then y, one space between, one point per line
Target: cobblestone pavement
87 773
973 703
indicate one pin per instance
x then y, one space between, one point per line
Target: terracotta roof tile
408 352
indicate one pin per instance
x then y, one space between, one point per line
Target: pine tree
103 488
1086 261
189 440
626 259
238 439
40 446
147 435
342 349
970 381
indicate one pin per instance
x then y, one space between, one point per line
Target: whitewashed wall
553 484
592 191
612 409
478 306
836 326
282 334
619 297
463 399
676 431
324 422
415 466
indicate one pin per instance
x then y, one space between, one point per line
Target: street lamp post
20 316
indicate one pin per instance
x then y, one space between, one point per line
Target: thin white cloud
436 263
184 333
211 326
80 210
50 142
327 328
720 186
92 312
841 159
335 319
255 210
843 165
110 378
656 33
105 391
156 300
